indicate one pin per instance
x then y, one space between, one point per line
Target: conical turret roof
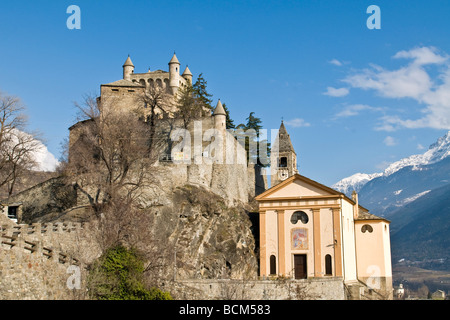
219 110
187 72
174 59
128 62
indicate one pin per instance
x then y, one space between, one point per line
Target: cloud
335 62
390 141
354 110
420 147
334 92
297 122
415 80
422 56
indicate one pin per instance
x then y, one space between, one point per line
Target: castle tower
187 75
220 117
174 74
285 160
128 69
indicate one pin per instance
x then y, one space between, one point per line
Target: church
309 230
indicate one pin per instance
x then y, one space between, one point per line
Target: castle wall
44 261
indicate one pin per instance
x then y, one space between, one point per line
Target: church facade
308 230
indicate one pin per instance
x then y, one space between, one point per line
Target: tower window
282 162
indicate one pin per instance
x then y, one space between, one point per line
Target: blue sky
353 99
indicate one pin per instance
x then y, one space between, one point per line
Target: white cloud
336 92
413 81
420 147
354 110
422 56
390 141
297 122
335 62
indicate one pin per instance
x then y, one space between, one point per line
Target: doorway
300 266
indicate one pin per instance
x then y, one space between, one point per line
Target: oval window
299 215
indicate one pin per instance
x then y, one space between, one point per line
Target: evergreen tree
200 92
229 122
252 128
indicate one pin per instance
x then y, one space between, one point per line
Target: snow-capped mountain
354 182
435 153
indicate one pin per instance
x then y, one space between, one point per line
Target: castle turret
187 75
128 69
220 116
174 74
283 157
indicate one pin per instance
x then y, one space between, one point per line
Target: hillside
420 229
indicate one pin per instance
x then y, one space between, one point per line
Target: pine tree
200 92
252 128
229 122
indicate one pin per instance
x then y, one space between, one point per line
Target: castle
306 230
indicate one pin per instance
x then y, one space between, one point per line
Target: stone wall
38 261
286 289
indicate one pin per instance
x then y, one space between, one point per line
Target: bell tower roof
284 140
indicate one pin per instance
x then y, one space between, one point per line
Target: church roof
363 212
128 62
174 59
122 83
283 140
219 110
364 215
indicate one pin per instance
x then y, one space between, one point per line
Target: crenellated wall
43 261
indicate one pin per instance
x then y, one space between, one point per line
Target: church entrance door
300 266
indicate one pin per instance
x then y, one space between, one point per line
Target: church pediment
297 186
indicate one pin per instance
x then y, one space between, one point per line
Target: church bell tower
283 160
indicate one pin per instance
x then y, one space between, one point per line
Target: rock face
207 238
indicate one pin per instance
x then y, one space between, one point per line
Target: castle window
282 162
273 264
366 227
12 212
328 265
299 215
115 89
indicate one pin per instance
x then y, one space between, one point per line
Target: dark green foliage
199 89
251 130
229 122
118 275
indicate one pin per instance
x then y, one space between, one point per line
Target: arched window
328 265
366 227
299 215
273 264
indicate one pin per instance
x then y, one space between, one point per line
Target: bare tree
109 159
16 145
